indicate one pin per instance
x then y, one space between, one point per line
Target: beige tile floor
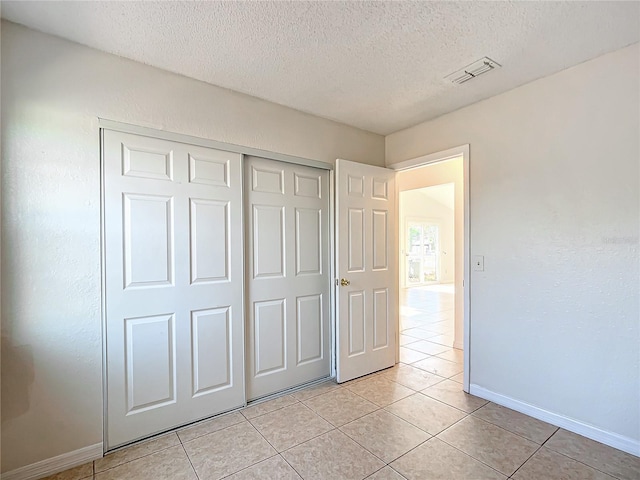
412 421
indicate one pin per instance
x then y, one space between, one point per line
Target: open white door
366 267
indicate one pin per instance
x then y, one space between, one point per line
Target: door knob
344 282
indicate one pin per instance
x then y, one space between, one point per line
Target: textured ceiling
374 65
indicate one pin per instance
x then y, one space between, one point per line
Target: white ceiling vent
474 70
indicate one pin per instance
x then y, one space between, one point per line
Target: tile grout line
271 411
308 440
422 429
137 458
508 431
250 466
187 455
292 467
382 460
470 456
353 420
522 464
575 459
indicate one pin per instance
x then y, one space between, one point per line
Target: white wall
554 208
53 91
416 205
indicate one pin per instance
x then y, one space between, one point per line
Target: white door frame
450 154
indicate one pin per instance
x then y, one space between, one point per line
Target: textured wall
554 193
52 93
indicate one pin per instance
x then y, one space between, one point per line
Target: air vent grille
473 70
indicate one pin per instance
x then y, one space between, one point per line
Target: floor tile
385 435
340 406
209 426
419 333
227 451
493 446
290 426
274 468
427 347
602 457
550 465
439 366
350 383
380 391
411 377
136 451
406 339
409 356
412 319
386 473
332 456
440 328
426 413
443 340
523 425
261 408
77 473
438 461
453 355
459 378
315 390
170 463
451 393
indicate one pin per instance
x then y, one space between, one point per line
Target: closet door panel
173 284
287 231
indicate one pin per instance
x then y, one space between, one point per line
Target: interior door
288 278
173 284
366 259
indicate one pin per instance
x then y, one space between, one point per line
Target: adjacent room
320 240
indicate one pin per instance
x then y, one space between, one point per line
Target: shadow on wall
17 377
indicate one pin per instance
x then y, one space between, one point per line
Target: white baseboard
614 440
55 464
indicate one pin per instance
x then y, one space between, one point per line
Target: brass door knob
344 282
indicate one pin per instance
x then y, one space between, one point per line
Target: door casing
424 160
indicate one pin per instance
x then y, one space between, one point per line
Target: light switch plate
478 263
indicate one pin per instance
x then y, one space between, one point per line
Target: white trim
451 153
57 464
461 151
332 270
614 440
103 292
204 142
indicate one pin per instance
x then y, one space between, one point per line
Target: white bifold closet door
288 283
173 291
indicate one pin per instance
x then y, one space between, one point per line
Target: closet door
173 284
288 285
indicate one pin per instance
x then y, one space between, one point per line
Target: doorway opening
432 317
